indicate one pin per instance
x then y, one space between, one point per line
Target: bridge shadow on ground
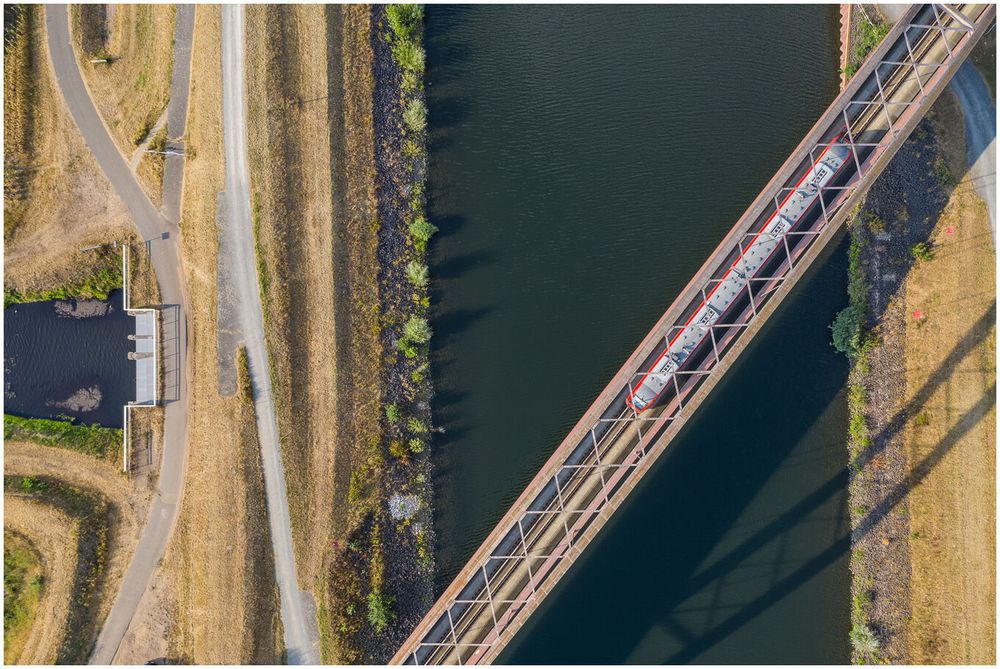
687 517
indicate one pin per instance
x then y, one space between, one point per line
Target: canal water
48 357
584 161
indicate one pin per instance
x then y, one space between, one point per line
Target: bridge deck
611 447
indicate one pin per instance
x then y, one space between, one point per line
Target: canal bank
575 181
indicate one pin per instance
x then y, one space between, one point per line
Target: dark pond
53 362
584 162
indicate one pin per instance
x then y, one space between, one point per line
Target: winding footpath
298 615
160 234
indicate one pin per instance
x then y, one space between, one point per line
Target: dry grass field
127 504
48 530
86 548
131 91
218 569
312 174
64 203
951 435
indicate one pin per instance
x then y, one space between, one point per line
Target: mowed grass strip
221 560
951 349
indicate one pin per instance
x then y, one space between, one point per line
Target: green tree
847 331
392 413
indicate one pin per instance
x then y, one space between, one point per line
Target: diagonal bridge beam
612 446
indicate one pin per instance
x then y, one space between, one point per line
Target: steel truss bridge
609 450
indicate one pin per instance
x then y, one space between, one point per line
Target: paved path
298 615
980 113
173 169
161 236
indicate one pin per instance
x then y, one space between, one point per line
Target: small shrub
392 413
846 329
943 172
859 604
922 252
380 612
417 274
407 348
404 19
922 419
415 115
875 223
398 450
142 131
416 445
869 36
411 81
422 229
416 426
409 56
159 141
411 149
863 639
417 330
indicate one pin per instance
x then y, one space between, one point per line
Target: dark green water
584 162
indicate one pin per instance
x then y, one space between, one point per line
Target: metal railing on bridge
612 446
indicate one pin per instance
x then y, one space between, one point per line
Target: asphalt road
180 80
298 615
980 112
161 236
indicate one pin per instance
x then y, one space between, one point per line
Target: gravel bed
909 198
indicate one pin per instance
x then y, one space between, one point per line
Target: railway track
588 479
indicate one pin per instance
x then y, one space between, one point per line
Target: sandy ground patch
49 531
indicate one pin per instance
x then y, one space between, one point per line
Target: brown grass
69 204
312 172
127 503
220 561
25 597
48 530
132 91
953 511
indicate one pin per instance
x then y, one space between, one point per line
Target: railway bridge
771 246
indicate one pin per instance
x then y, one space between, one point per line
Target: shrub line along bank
401 159
383 582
